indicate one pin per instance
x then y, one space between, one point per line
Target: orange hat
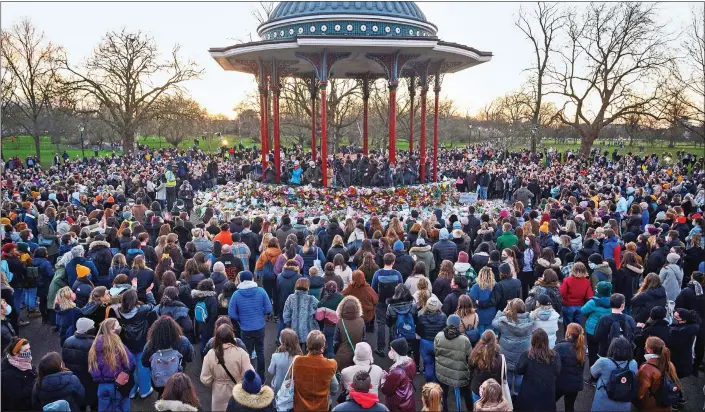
111 200
99 198
544 227
82 271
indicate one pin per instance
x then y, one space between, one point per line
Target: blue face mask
8 310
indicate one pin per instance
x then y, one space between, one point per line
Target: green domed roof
396 9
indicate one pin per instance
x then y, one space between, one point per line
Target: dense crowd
590 264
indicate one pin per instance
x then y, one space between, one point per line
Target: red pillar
365 110
324 151
424 91
436 91
275 116
393 122
267 112
262 128
412 93
313 126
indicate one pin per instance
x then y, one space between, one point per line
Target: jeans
482 192
109 399
143 377
280 327
30 299
269 283
381 315
254 341
329 333
593 348
514 382
572 314
18 299
429 360
568 399
475 398
463 392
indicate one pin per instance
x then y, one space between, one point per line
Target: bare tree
30 65
693 81
541 26
613 49
126 77
179 118
263 11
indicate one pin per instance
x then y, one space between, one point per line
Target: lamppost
470 135
83 152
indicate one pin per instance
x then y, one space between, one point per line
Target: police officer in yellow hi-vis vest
170 187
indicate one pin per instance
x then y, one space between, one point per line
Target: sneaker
151 391
23 323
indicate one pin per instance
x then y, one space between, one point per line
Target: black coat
441 288
145 277
681 346
688 300
429 324
209 298
691 259
504 291
404 264
102 257
334 250
58 386
643 302
538 389
8 332
450 303
285 287
16 387
75 356
659 328
444 250
571 377
479 261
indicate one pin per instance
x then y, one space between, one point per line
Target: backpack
267 271
622 385
404 326
31 276
163 364
201 312
472 333
668 393
619 328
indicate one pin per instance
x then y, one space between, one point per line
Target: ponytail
575 332
664 365
432 397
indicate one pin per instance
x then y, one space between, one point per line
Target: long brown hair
289 343
223 335
664 365
446 270
432 397
180 388
575 333
465 306
485 351
539 350
50 364
424 293
651 281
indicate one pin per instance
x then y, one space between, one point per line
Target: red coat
576 291
398 389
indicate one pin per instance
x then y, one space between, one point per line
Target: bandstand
365 41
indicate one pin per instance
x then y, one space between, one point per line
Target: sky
198 26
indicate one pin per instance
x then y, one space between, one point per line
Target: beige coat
214 376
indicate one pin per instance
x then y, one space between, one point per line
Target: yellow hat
544 227
5 221
82 271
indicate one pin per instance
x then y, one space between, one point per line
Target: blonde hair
578 270
490 394
514 308
113 348
338 241
485 279
431 397
424 294
64 298
138 263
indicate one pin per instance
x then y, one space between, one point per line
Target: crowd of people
592 273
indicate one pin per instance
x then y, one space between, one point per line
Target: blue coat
608 247
296 176
71 269
248 306
593 310
57 386
46 274
484 296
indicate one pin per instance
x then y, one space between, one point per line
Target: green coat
506 240
59 280
452 359
424 254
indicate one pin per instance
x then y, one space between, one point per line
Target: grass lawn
24 146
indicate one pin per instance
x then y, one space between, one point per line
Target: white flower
387 29
375 28
397 30
291 31
301 30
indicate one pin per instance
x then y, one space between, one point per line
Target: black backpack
620 327
668 393
622 385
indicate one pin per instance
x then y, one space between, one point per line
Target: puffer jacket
57 386
135 325
553 293
424 254
671 278
452 350
547 319
398 388
601 273
430 324
642 303
298 313
403 263
593 310
395 307
364 293
103 374
542 264
179 312
515 338
75 356
571 377
444 250
101 255
576 242
480 260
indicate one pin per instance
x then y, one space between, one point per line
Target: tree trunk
128 141
37 144
586 143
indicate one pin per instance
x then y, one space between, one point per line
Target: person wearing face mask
684 329
398 383
18 376
8 331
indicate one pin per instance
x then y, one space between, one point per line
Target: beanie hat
219 267
9 247
398 246
544 227
251 382
453 320
544 300
363 353
595 258
505 268
82 271
420 242
83 325
245 275
653 230
658 313
433 304
400 346
443 234
604 289
23 247
673 257
456 225
463 257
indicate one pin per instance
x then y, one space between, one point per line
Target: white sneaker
151 390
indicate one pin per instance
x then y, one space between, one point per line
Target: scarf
400 360
364 399
23 364
697 287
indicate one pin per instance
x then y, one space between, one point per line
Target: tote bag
506 392
285 395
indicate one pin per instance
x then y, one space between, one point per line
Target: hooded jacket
298 313
611 249
285 287
424 254
547 319
452 350
243 401
249 305
671 278
75 356
403 263
179 312
135 324
57 386
364 293
101 255
642 303
542 264
209 298
430 324
515 338
269 255
349 330
593 310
